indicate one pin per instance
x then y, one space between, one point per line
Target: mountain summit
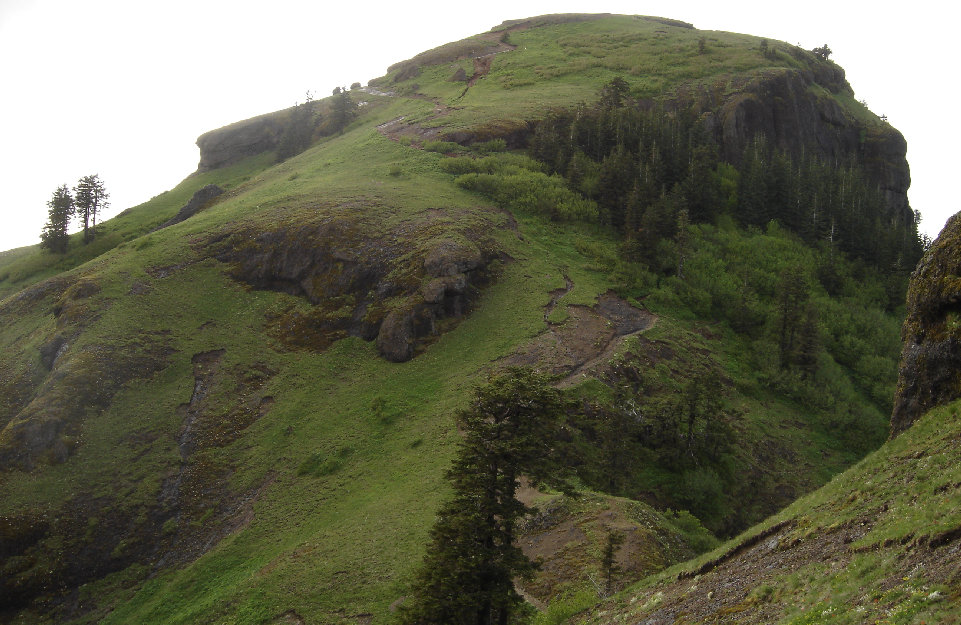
240 400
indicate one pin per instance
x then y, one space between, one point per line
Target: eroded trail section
585 342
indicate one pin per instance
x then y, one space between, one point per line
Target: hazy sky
124 88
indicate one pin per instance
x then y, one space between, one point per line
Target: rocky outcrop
230 144
799 112
930 370
392 286
47 429
200 200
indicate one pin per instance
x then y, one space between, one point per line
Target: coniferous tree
609 566
298 131
683 240
809 344
60 208
790 305
468 571
90 199
343 110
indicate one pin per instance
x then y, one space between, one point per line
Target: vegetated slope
203 422
880 542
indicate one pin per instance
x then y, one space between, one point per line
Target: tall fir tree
299 129
90 199
60 209
467 574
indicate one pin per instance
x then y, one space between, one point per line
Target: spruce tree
790 306
298 131
60 208
467 574
90 199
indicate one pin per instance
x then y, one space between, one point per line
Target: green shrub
443 147
489 147
562 608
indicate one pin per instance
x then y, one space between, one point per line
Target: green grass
345 471
905 494
333 530
562 64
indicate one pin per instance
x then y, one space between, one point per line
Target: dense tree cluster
643 166
88 200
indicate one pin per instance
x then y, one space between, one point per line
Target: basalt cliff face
800 112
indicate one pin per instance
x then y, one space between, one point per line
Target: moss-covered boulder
930 369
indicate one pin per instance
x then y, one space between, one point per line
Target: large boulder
930 369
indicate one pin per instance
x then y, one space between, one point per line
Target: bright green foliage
520 184
60 209
467 574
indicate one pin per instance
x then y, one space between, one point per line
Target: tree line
644 166
87 200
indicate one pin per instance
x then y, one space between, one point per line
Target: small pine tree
60 209
790 306
683 240
299 130
823 52
343 111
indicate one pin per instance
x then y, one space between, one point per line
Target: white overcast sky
123 88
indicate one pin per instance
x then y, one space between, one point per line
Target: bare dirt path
586 340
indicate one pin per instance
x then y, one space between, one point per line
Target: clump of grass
489 147
562 608
320 464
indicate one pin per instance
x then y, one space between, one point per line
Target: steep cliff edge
930 369
805 111
230 144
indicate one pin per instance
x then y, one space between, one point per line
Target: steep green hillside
246 416
879 543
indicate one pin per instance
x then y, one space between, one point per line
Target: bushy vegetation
521 184
806 314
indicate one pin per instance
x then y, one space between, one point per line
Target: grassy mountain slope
878 544
186 438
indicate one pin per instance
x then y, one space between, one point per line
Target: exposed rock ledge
393 286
